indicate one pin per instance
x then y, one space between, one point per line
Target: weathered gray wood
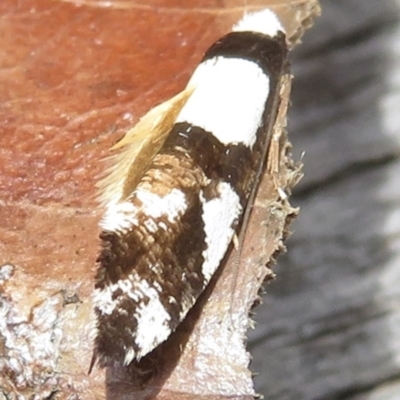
330 325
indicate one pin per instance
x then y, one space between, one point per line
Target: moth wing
138 148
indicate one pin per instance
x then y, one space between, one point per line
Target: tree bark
330 325
76 75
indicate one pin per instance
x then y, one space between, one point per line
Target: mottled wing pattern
165 237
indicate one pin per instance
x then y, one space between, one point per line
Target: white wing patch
152 321
218 215
217 104
121 217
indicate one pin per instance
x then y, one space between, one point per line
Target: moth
178 189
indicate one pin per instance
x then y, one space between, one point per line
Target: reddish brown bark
75 76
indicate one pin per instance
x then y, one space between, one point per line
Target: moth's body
164 234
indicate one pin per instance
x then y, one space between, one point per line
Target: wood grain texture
331 323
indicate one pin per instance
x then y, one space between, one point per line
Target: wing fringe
138 148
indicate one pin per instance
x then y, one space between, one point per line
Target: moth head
265 22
